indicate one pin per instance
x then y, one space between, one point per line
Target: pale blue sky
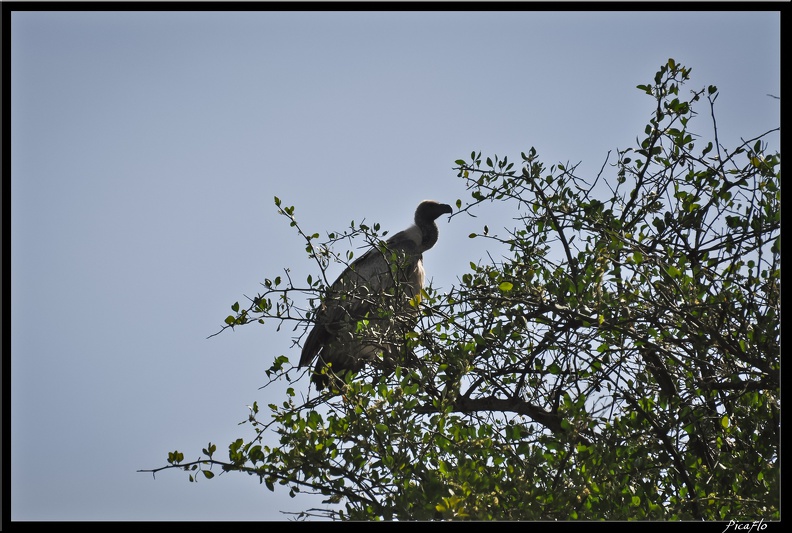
147 147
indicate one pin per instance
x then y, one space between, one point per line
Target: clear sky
146 148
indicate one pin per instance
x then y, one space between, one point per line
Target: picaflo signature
745 527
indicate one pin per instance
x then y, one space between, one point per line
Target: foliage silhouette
621 361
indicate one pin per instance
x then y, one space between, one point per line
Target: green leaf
175 457
506 286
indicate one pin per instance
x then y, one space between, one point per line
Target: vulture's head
429 210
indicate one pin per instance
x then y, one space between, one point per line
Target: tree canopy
619 360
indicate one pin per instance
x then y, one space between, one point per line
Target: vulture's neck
428 233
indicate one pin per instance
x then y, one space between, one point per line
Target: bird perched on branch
365 313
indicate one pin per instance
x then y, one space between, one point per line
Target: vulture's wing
357 292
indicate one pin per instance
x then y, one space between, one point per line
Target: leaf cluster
619 360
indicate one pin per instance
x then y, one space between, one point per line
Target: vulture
364 314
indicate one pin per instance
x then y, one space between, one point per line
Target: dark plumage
377 287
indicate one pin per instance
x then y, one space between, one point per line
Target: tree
620 361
